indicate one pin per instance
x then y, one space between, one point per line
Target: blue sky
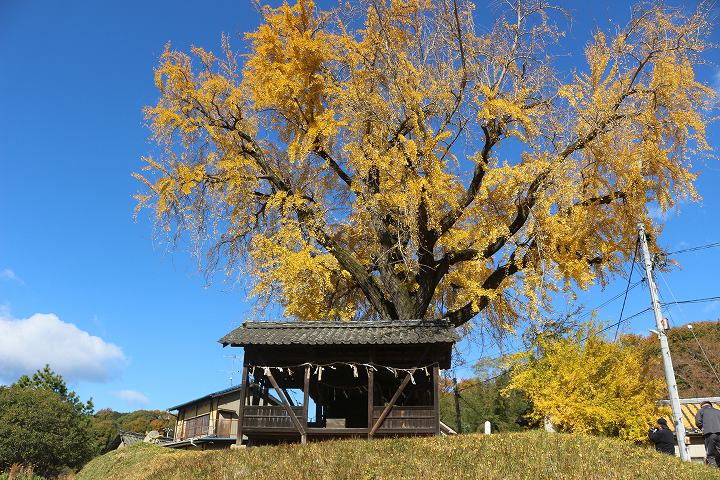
75 267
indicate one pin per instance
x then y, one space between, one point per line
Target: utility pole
458 417
667 360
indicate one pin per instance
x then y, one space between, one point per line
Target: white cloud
7 274
26 345
132 396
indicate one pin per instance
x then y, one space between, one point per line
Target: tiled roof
689 408
220 393
224 391
341 333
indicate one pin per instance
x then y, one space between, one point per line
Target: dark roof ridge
393 332
343 324
224 391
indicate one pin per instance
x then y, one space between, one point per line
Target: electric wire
627 288
672 294
696 248
607 302
622 320
694 300
690 327
580 317
692 330
607 327
664 304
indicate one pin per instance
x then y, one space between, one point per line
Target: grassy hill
535 454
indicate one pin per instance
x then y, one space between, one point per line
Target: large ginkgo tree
401 160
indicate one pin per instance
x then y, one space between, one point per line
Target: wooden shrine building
341 379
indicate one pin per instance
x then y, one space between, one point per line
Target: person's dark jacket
664 440
708 420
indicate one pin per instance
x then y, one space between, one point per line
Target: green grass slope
526 455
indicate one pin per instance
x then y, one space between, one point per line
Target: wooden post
458 414
306 400
241 407
390 405
288 408
371 399
436 397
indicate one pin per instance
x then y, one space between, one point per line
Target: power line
607 327
664 304
690 327
694 300
584 315
696 248
627 289
622 320
607 302
672 294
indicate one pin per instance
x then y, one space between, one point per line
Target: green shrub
38 428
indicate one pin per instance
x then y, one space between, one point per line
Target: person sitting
662 437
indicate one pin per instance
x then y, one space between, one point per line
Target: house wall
193 410
229 402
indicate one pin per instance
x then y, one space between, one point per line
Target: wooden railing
270 417
400 419
415 418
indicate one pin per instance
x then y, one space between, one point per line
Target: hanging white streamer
320 367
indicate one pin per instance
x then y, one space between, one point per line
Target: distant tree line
481 399
107 424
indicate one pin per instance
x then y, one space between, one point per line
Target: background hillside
695 377
106 424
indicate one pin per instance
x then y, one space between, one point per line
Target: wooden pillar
436 397
241 408
371 398
306 400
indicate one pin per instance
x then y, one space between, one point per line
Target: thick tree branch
492 282
602 200
468 196
345 258
322 153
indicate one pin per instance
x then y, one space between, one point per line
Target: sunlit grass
531 455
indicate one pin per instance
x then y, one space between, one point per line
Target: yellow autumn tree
584 383
389 159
